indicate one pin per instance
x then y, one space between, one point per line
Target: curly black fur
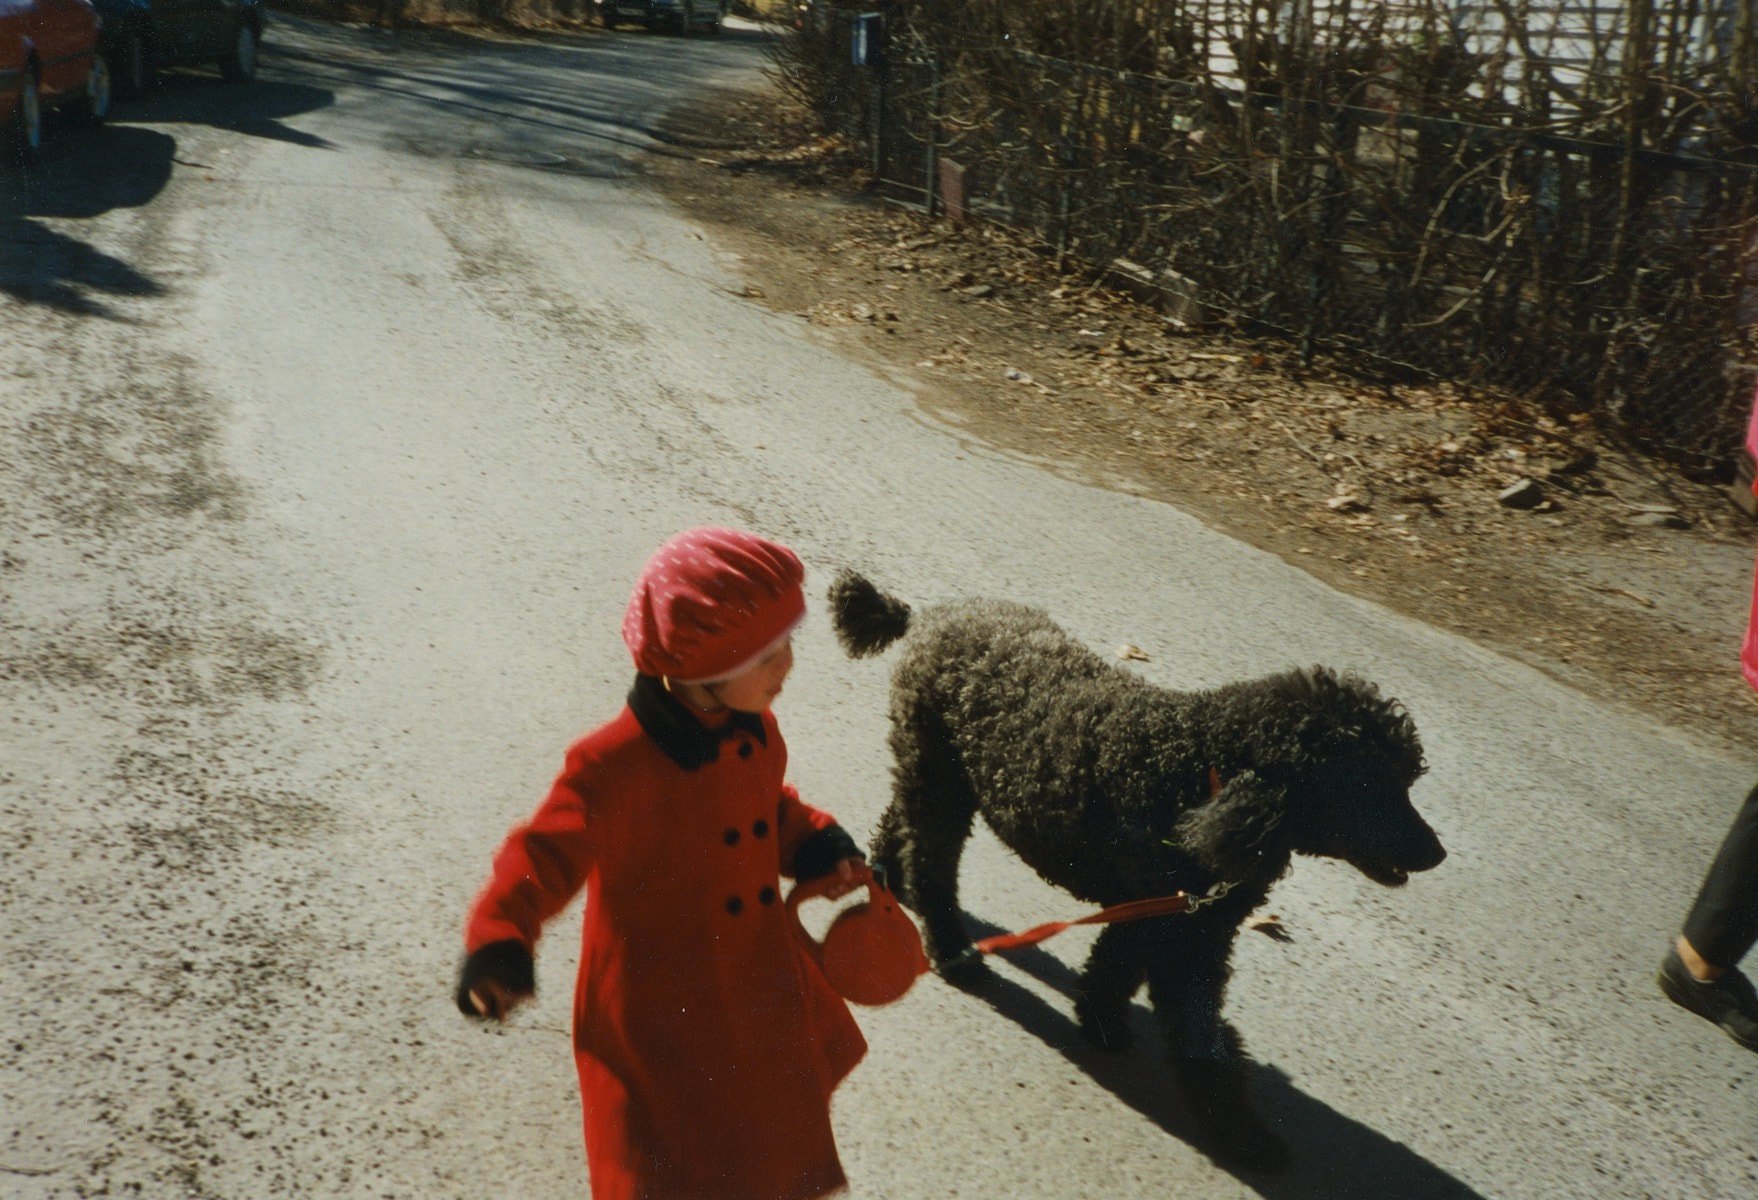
1106 785
866 619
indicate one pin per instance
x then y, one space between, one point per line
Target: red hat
710 601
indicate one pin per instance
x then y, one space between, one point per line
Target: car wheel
607 15
718 22
94 104
132 73
25 138
239 66
687 18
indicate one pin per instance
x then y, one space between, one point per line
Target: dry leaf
1644 601
1270 925
1136 653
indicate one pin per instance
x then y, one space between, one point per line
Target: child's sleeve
540 866
811 842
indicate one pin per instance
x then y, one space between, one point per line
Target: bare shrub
1560 200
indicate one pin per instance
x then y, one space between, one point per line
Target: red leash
872 952
1133 910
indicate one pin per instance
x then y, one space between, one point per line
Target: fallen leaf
1135 653
1270 925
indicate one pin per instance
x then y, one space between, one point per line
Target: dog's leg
1110 979
922 836
886 852
1187 981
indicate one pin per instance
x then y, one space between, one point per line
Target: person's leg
1723 924
1720 928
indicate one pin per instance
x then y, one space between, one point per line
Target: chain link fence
1556 201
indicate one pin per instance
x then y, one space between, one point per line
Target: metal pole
933 136
879 121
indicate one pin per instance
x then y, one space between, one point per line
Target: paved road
336 415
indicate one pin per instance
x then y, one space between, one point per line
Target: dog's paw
1218 1094
966 970
1105 1026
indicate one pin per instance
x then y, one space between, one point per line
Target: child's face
756 687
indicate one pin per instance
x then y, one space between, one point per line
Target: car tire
718 24
607 15
687 19
132 72
239 65
93 106
24 140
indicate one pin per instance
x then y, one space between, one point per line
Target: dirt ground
1622 577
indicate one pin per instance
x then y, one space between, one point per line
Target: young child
708 1043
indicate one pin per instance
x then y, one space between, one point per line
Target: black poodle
1119 790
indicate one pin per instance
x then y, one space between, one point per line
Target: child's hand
494 1000
848 873
493 979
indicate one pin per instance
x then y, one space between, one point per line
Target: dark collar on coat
677 731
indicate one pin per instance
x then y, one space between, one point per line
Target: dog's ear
1241 832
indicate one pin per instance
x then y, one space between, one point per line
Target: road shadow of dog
1331 1154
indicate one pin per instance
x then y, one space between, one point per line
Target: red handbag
872 953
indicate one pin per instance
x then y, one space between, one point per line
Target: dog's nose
1429 857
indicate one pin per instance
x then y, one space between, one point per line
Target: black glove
506 963
821 851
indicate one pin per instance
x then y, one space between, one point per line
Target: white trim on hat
723 676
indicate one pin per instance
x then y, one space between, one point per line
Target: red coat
707 1042
1749 649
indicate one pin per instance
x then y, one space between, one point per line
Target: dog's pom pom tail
866 619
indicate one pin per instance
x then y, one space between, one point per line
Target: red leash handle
1133 910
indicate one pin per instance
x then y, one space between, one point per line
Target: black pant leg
1723 924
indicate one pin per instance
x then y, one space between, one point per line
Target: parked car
681 15
49 58
142 36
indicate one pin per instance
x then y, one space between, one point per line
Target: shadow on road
1333 1155
84 174
510 107
256 110
590 97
